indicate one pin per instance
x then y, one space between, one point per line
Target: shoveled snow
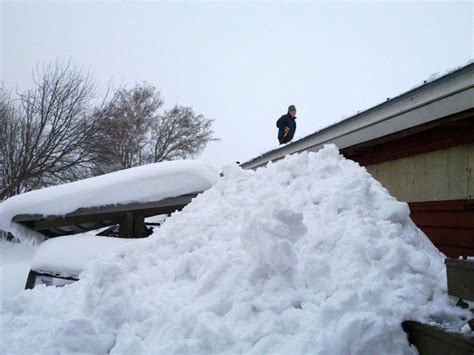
67 256
153 182
307 255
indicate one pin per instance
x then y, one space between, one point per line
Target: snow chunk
343 265
269 240
466 329
147 183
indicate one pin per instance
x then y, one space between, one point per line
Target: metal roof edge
405 99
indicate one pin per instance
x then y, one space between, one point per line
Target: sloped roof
441 97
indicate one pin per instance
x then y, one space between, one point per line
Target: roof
444 96
91 218
103 200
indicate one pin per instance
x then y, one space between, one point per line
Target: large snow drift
307 255
152 182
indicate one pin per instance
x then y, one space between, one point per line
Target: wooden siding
451 131
431 167
435 176
448 224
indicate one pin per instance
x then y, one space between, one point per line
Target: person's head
292 110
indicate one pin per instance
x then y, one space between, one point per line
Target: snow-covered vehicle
59 261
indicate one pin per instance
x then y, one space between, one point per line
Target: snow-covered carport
130 218
420 146
124 197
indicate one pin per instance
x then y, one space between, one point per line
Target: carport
129 217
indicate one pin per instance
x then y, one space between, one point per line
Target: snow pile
67 256
307 255
152 182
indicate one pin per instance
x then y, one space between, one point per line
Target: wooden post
132 226
139 226
31 280
126 226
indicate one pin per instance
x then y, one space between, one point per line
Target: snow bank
67 256
146 183
307 255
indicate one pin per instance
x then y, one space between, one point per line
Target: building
420 146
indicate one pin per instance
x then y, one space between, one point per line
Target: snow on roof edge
147 183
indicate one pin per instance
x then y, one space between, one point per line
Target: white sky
244 63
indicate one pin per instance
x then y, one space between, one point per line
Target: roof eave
449 94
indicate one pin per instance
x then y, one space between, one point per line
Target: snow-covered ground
307 255
152 182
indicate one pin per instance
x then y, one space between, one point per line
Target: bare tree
8 132
180 133
47 130
134 133
123 135
57 132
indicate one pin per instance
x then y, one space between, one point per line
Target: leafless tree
8 132
180 133
47 130
123 134
135 133
58 132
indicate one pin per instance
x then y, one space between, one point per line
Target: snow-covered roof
436 97
148 183
67 256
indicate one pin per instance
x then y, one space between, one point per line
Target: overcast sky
244 63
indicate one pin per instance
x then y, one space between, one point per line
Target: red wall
449 225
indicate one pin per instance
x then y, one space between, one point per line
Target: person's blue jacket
286 121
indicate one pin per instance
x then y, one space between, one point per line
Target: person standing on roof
287 125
